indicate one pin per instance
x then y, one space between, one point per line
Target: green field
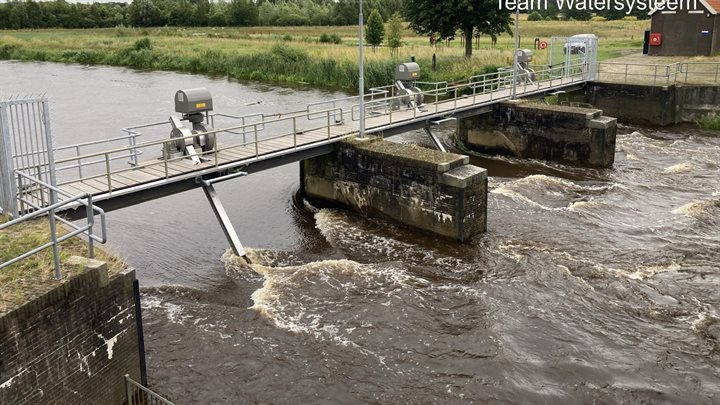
295 55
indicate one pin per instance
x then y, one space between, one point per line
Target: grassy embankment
294 55
34 275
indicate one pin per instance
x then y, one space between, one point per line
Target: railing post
53 182
215 147
135 152
165 159
294 132
655 75
717 67
128 391
687 69
91 221
107 169
9 191
626 73
79 161
20 190
328 121
257 149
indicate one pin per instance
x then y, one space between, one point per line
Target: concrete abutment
72 343
649 104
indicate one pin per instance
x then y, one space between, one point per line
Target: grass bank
36 274
294 55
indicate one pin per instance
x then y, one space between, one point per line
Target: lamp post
515 54
362 75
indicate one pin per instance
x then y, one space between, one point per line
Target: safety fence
28 188
136 394
659 74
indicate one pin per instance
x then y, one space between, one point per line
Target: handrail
381 101
663 72
212 132
488 83
82 199
136 394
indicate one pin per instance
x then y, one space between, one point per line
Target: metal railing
289 124
76 159
245 131
55 239
136 394
642 73
495 85
699 72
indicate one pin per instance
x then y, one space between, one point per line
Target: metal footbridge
88 179
258 142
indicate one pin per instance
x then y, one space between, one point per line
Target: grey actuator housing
407 72
193 101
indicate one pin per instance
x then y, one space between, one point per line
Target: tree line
19 14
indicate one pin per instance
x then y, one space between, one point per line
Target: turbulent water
591 286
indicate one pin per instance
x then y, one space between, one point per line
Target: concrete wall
71 345
681 33
423 188
649 105
567 134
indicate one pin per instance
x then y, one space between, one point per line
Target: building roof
713 6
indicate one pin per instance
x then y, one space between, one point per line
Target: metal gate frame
26 146
587 58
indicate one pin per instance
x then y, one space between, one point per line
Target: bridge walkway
107 182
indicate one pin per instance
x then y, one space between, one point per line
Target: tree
144 13
243 13
394 34
446 17
375 32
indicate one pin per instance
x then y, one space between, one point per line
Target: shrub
709 121
287 38
330 39
289 54
7 50
143 43
535 16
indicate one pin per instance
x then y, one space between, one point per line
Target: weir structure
145 164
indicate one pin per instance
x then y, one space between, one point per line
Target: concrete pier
423 188
573 135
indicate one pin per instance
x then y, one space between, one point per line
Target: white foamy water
698 209
680 168
643 272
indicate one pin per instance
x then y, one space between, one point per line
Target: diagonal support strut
224 220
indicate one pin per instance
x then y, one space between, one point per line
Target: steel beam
435 140
224 220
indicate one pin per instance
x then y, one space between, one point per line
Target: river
591 286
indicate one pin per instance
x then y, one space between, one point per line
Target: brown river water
591 286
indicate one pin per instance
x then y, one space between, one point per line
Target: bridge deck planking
149 172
